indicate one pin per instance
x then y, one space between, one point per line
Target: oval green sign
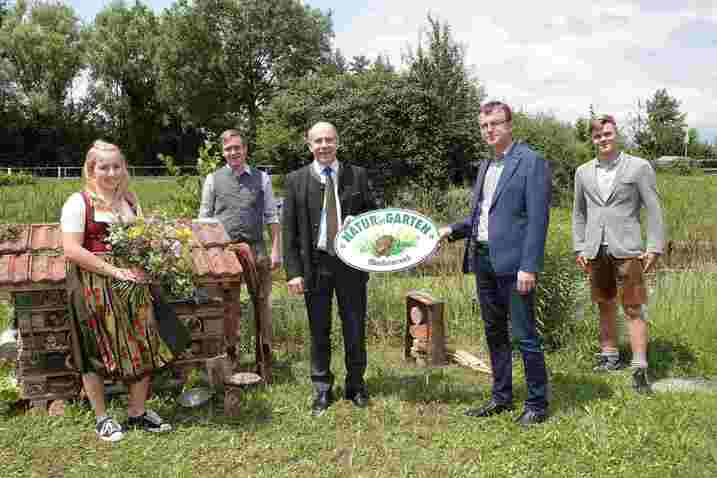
386 240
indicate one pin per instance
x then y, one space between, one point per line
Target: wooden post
233 389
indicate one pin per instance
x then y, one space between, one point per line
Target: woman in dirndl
116 339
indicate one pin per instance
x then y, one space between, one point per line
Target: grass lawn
415 425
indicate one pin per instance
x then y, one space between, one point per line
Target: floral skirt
115 339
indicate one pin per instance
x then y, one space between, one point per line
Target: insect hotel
32 274
425 337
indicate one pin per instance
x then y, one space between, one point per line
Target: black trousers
333 276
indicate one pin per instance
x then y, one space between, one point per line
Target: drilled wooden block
40 298
24 320
34 386
192 323
46 341
23 299
213 325
63 385
38 320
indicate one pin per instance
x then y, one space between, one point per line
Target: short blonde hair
101 150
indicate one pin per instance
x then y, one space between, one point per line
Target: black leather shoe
360 398
489 409
322 401
531 417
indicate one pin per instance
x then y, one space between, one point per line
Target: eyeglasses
492 124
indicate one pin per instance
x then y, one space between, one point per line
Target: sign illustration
386 240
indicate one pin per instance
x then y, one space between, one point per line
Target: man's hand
581 262
444 232
648 260
526 282
296 285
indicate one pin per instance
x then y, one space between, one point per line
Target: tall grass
687 202
42 202
683 330
690 211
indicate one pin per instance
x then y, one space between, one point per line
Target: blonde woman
116 340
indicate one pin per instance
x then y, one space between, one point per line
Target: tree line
160 84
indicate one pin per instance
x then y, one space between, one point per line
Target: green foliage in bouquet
162 248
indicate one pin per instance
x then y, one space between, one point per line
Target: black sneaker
640 383
604 364
109 430
149 422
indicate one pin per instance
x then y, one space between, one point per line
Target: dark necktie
332 225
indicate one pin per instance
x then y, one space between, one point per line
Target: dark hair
488 108
601 121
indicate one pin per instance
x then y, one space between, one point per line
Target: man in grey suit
609 194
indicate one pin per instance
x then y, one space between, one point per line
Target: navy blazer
517 218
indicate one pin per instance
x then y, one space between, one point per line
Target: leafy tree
559 144
41 43
3 10
122 55
335 64
419 125
659 130
438 69
383 63
222 61
582 130
359 64
697 149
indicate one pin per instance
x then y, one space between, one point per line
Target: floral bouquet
162 248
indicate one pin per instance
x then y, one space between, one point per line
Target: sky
556 56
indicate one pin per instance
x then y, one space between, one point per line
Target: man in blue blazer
505 243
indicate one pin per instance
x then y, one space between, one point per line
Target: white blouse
74 210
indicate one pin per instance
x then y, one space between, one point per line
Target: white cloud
562 56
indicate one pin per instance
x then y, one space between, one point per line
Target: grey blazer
618 216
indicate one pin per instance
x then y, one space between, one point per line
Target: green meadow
415 425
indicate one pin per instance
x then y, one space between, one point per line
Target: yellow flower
135 231
184 234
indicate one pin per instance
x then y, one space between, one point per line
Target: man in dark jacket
319 197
